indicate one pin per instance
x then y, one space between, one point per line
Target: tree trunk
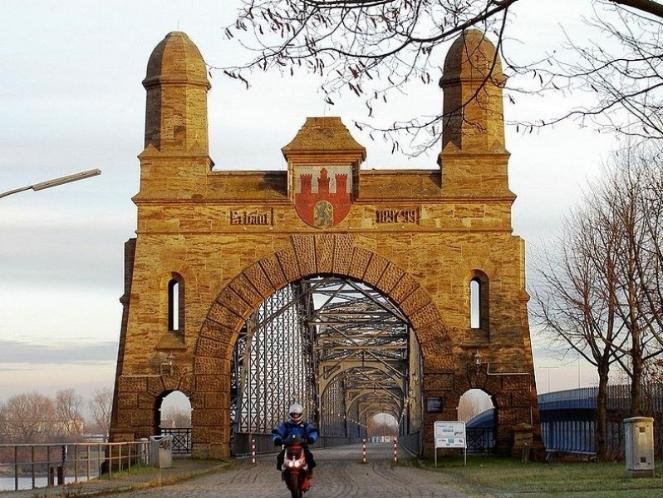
601 426
636 378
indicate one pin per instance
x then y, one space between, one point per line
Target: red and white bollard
253 451
395 450
363 451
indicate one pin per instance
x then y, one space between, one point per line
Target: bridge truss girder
350 343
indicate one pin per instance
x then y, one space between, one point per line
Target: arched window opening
475 308
479 301
176 304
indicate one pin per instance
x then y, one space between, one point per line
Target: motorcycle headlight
297 464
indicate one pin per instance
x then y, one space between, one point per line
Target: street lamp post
55 182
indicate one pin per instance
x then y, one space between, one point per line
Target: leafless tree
619 73
175 417
380 426
627 197
3 423
577 302
375 48
472 403
68 413
100 406
28 418
601 296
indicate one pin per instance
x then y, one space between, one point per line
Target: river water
7 483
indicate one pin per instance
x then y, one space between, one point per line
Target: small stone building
220 242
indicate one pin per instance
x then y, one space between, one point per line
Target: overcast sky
71 99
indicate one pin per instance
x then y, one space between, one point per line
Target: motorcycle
295 468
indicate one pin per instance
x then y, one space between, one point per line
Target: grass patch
136 470
507 477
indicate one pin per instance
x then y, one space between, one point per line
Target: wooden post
51 473
75 462
62 471
15 468
32 458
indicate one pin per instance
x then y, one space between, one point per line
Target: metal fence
411 443
480 440
181 440
568 418
45 465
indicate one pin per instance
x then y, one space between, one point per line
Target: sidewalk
138 478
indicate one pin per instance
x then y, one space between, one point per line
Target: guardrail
45 465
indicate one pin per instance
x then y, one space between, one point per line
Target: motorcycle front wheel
294 485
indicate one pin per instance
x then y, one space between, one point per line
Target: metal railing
411 443
480 440
568 418
181 439
45 465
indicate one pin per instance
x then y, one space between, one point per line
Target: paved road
339 474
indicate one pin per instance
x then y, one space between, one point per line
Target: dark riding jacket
305 431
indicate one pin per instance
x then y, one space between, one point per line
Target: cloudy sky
71 99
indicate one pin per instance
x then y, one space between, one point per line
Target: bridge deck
339 474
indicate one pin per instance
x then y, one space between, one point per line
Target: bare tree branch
375 48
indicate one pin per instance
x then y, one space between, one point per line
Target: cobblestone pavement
339 474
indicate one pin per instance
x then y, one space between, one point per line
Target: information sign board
450 434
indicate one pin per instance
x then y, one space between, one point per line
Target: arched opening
479 296
176 304
382 427
173 417
337 346
477 409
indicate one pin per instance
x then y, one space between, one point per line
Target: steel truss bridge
335 345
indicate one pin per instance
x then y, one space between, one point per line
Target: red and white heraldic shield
323 194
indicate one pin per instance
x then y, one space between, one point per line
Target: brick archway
306 256
236 237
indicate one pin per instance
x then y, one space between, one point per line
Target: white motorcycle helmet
296 413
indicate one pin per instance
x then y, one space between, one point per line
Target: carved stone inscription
396 215
246 217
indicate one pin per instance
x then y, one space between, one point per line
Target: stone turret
474 159
472 82
177 85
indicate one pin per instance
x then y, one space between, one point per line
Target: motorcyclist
296 426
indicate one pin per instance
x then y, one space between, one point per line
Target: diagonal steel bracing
330 343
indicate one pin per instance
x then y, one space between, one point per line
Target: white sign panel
449 434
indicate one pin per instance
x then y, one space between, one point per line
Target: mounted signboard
450 434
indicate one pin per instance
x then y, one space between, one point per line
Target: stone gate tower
210 246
